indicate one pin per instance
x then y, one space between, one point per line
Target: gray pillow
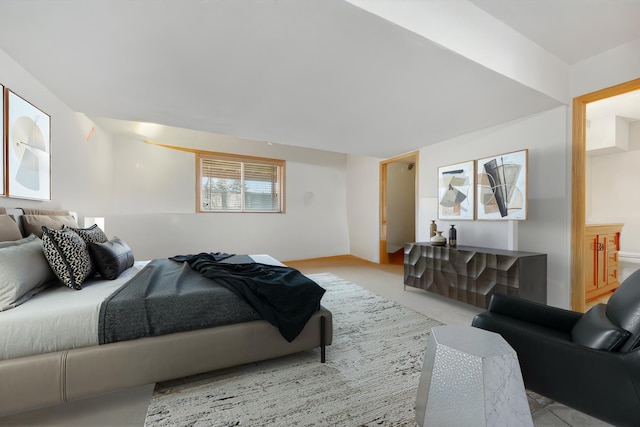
24 271
9 229
68 256
595 330
19 242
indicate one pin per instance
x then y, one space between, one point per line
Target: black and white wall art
28 149
456 191
502 186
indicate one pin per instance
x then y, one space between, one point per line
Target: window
239 184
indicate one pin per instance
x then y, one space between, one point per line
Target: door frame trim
578 185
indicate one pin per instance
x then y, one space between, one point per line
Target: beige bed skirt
54 378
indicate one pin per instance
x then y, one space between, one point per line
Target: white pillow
24 271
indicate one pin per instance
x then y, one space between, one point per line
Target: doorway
398 194
578 186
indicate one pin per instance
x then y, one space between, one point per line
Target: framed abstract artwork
28 150
502 186
456 191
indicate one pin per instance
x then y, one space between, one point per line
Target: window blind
240 186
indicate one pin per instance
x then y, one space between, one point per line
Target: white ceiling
320 74
572 30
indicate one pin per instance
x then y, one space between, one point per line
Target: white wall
607 135
363 206
155 201
547 228
154 179
400 205
81 170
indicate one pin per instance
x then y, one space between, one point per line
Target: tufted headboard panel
17 214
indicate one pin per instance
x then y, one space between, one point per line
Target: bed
51 366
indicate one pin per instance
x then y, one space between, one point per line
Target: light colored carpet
370 377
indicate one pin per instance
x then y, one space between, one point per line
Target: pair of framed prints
25 167
492 188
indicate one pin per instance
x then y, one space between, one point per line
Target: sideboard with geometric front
471 274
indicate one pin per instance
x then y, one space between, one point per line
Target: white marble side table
470 377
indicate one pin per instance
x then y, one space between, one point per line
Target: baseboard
328 258
629 257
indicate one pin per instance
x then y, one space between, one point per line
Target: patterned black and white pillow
93 234
68 256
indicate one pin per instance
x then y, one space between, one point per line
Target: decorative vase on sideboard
438 239
453 236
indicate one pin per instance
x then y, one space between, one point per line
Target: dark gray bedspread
282 295
167 297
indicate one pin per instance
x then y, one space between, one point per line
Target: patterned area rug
370 377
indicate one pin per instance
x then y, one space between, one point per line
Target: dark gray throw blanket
282 295
168 296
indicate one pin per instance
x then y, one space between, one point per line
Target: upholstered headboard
16 213
38 217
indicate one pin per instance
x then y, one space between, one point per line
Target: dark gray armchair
590 361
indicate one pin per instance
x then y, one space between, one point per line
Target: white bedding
58 318
61 318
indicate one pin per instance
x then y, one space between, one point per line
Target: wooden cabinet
602 247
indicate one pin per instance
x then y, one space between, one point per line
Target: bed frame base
323 345
54 378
